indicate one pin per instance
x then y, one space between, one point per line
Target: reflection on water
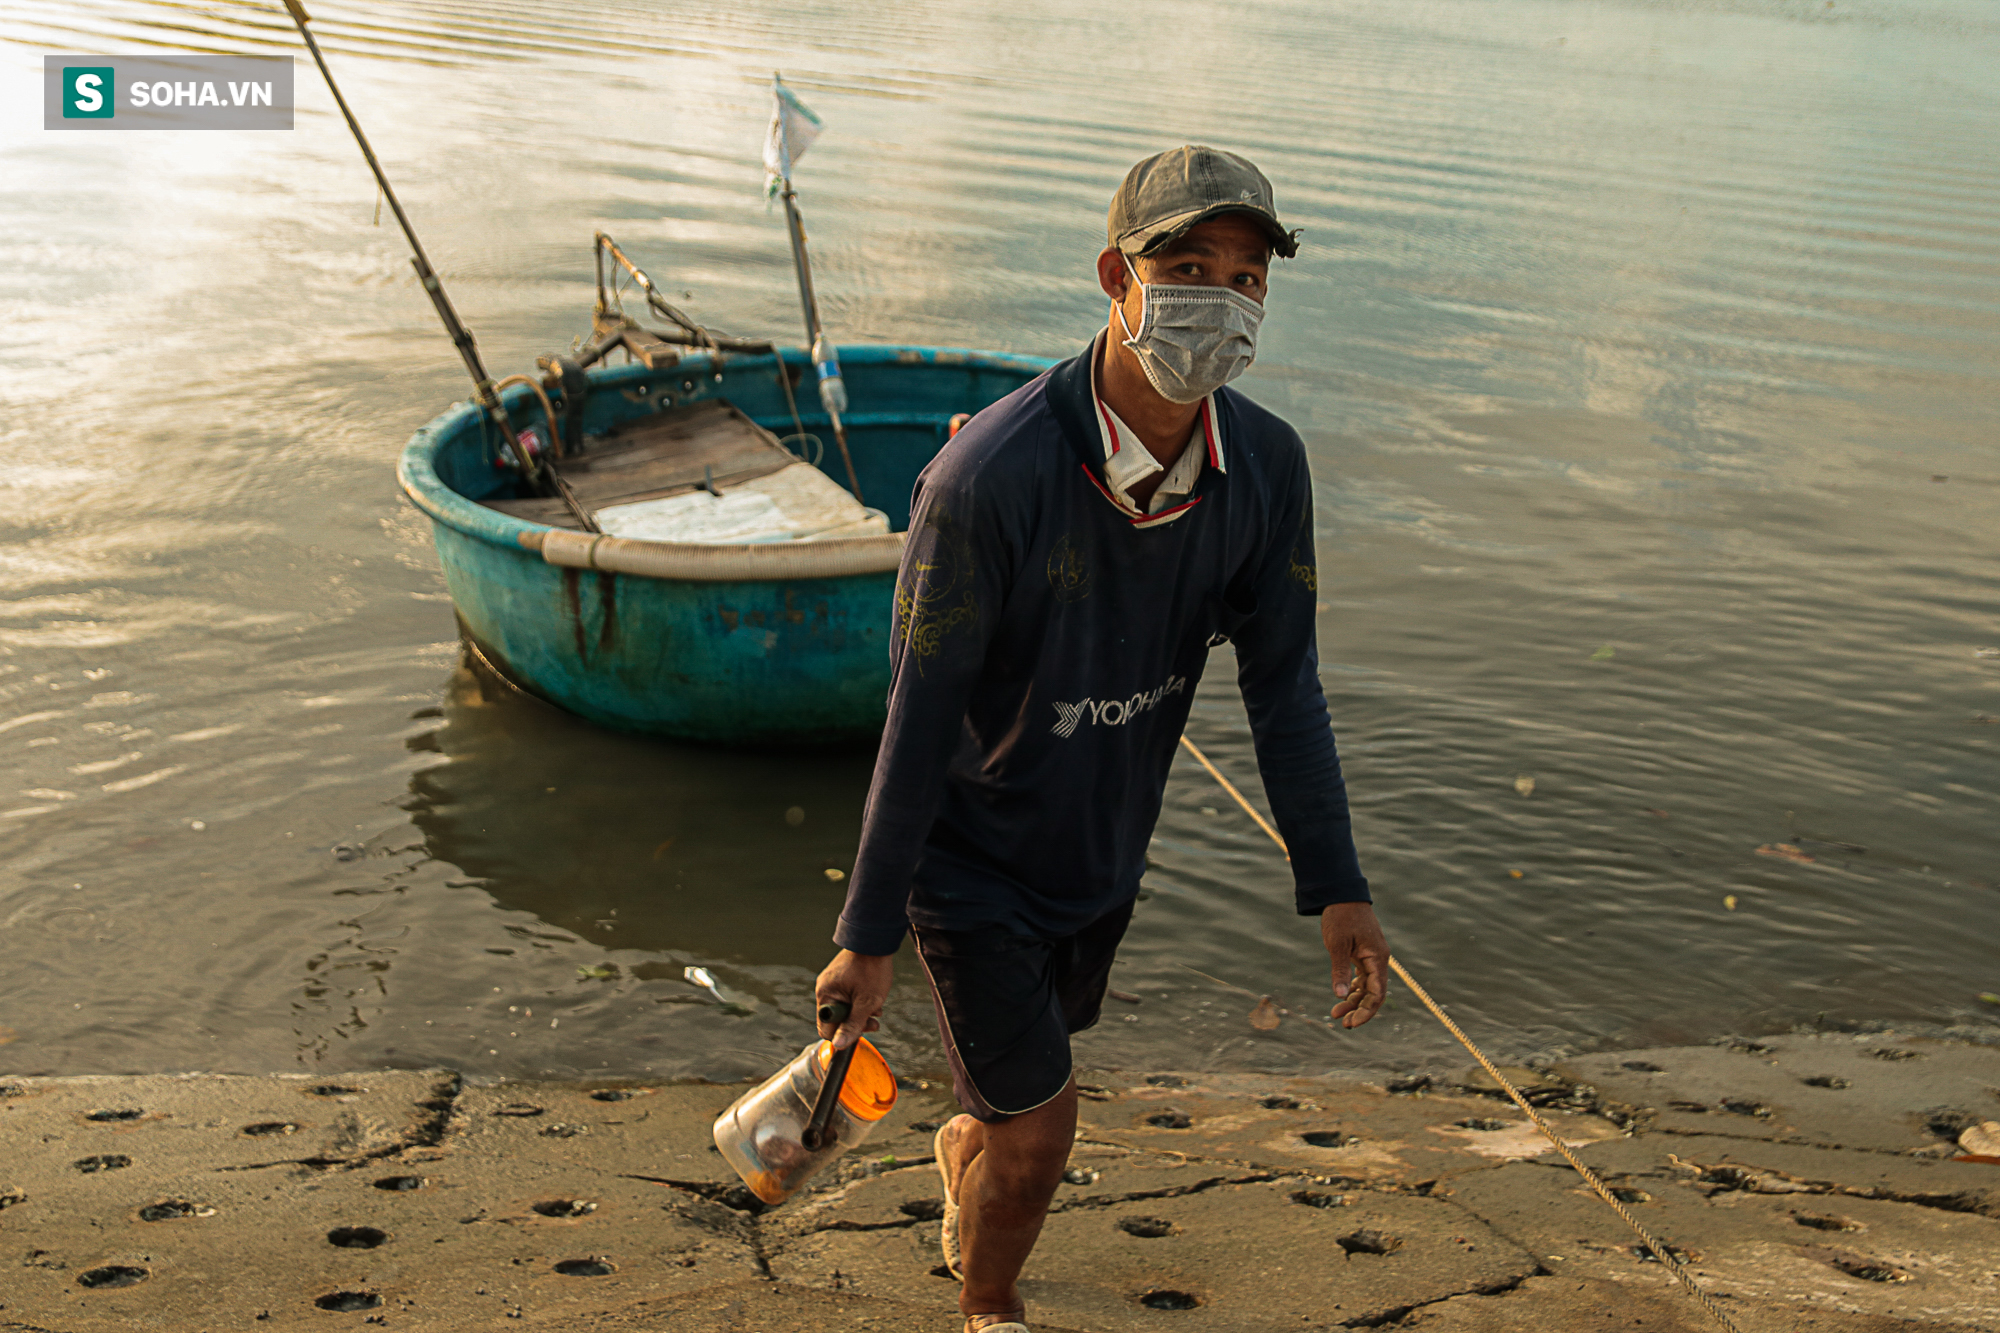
659 848
1646 354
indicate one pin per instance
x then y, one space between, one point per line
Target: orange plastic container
760 1136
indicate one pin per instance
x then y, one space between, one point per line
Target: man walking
1073 555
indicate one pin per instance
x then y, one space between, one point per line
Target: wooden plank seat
668 453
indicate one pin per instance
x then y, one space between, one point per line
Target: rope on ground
1590 1178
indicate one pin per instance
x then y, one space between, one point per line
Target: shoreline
1808 1180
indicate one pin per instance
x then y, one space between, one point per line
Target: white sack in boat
795 503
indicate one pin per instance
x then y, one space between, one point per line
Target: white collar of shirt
1128 462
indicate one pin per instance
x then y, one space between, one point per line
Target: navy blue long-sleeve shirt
1045 654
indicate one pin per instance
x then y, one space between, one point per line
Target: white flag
793 129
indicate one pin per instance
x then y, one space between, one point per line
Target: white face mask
1191 340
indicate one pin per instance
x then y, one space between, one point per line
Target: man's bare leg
1003 1177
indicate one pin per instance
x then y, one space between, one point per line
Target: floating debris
702 977
1786 851
1265 1016
1525 786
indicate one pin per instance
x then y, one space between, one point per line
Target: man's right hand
862 980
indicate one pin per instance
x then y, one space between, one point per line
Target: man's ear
1111 273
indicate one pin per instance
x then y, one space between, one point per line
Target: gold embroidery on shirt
1069 575
936 598
1304 567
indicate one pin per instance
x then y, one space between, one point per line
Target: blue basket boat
767 643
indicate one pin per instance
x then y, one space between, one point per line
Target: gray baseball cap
1170 192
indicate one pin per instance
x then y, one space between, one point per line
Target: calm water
1649 356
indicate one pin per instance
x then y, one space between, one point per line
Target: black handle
833 1013
816 1136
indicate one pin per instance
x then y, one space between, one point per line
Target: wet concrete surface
1814 1189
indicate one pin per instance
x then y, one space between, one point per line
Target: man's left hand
1360 956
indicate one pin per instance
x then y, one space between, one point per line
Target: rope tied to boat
1590 1177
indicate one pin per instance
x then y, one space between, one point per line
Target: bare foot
961 1142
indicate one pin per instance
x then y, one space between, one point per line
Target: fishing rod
832 389
461 337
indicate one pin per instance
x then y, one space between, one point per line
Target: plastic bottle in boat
761 1136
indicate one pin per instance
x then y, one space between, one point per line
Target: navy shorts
1007 1004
